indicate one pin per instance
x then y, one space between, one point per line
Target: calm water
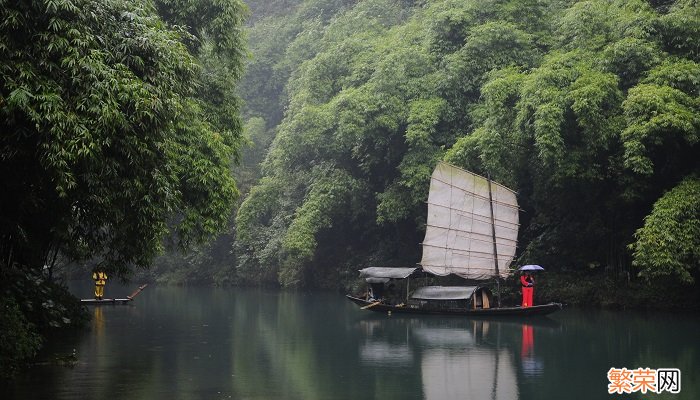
203 343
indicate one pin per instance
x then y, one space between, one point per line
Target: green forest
590 110
289 143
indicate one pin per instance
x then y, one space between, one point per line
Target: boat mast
495 250
408 285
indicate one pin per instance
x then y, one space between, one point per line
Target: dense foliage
119 128
669 241
589 109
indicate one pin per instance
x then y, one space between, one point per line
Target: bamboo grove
119 124
590 109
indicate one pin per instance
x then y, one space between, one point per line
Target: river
210 343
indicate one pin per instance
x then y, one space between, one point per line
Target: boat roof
387 272
444 292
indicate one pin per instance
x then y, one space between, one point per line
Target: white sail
459 237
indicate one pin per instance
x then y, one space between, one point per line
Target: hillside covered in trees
589 109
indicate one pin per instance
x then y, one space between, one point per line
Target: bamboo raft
114 301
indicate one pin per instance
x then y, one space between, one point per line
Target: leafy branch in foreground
115 134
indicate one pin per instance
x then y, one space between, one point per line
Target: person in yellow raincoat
100 278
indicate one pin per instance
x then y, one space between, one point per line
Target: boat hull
543 309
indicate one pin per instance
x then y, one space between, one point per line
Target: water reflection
458 358
199 343
532 366
98 321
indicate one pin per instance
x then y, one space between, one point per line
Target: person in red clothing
527 282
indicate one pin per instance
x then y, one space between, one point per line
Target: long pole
136 292
495 249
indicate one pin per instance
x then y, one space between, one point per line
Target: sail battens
478 217
463 234
466 252
481 196
476 233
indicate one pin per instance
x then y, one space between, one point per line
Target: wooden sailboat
472 232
